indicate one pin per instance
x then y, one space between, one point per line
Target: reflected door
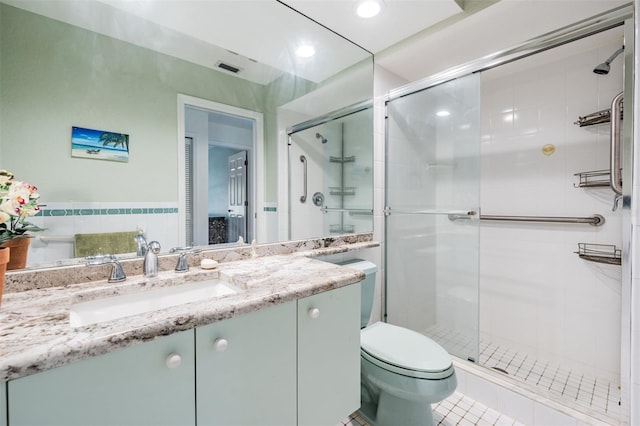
432 177
237 196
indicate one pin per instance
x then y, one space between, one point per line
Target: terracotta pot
4 259
19 249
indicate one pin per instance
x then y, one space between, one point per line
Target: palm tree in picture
117 139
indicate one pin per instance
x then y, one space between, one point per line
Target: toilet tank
367 287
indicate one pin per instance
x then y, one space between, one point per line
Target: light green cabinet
293 363
247 369
148 384
328 356
3 404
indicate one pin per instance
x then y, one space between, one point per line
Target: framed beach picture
99 144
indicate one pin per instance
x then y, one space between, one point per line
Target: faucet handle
183 265
117 273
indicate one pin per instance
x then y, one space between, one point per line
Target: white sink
112 308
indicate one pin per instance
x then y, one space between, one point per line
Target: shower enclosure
505 237
331 174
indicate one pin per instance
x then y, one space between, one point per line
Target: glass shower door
432 226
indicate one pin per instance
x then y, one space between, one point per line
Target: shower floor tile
596 394
455 410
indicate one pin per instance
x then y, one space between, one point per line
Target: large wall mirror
204 93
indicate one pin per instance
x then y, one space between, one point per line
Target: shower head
322 138
603 68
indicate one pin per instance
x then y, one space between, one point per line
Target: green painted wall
54 76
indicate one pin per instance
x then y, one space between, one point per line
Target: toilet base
368 412
397 411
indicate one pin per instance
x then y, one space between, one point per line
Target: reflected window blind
188 168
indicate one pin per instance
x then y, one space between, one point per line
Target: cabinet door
3 404
247 369
329 356
132 386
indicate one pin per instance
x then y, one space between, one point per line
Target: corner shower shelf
593 179
601 253
598 117
342 160
347 190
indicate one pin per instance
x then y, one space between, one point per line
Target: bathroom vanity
283 349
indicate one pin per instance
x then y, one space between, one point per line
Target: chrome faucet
183 265
141 244
150 264
117 274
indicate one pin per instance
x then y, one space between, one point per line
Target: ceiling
209 31
398 20
260 36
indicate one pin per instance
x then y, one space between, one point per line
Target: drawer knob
220 344
313 313
173 361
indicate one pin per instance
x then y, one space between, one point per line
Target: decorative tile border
105 212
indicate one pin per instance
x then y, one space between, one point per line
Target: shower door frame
621 16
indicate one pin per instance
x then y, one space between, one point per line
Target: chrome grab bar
462 213
615 178
595 220
303 198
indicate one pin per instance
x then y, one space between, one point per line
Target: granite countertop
35 334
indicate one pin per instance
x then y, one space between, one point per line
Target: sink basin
112 308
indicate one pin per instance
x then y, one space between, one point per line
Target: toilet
402 372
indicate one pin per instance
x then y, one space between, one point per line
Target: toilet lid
405 351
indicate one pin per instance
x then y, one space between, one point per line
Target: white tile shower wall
162 227
537 296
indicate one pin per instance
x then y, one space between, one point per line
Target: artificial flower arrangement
18 201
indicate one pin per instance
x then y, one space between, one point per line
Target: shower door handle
615 175
303 197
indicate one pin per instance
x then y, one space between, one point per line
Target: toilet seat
405 352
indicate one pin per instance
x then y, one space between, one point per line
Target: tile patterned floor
560 381
455 410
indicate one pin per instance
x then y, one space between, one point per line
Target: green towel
104 243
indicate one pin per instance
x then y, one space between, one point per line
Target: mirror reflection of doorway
219 174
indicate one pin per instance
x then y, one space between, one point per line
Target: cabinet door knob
313 313
173 361
220 344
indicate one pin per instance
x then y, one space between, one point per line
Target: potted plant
18 201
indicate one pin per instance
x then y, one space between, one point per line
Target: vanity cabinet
295 363
147 384
3 404
247 369
328 356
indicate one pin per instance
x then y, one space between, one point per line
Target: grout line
593 392
579 386
565 384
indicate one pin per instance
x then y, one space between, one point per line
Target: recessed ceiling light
368 8
443 113
305 51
